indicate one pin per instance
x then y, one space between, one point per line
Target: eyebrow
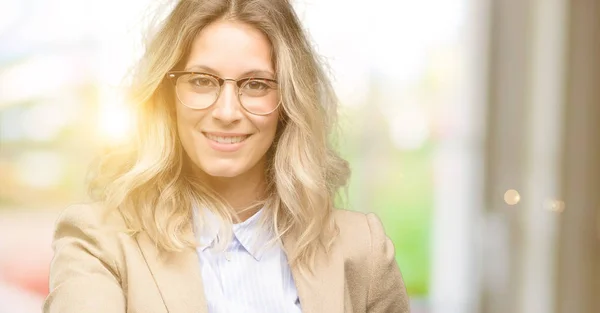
251 73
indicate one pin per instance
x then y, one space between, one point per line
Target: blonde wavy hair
149 181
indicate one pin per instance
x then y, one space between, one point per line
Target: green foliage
398 186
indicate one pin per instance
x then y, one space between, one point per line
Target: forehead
230 49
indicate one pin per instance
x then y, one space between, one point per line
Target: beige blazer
99 268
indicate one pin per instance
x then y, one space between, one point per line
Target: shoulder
90 227
369 261
88 257
90 216
359 231
355 225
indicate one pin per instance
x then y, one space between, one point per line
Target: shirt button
227 256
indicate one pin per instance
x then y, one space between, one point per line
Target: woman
224 201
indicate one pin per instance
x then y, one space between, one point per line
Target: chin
245 166
222 168
224 172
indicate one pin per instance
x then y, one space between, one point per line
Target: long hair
148 181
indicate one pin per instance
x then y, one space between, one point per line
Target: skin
229 49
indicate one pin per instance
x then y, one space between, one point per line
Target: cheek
185 116
268 128
186 123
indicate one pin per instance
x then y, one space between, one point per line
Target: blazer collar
178 278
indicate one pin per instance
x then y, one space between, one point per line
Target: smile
226 139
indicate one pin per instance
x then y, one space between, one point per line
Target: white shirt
246 277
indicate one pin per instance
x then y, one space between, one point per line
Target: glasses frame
174 76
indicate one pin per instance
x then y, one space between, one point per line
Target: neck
241 192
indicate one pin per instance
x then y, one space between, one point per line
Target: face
224 140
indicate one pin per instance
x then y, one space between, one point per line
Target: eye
202 81
256 85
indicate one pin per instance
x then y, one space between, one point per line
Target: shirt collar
248 233
207 233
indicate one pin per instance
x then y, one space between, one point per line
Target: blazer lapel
177 276
323 290
179 281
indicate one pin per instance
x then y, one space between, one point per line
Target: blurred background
472 128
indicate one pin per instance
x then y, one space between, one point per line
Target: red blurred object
25 242
30 276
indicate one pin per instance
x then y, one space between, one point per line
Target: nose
227 108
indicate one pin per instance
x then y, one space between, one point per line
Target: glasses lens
197 91
259 96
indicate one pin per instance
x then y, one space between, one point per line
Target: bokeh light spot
512 197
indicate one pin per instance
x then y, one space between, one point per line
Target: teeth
228 140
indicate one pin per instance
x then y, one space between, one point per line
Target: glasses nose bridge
235 82
236 89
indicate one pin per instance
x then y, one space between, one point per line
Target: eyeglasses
198 90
